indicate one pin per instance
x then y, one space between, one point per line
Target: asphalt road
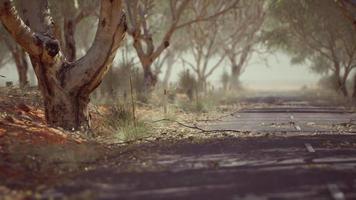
313 156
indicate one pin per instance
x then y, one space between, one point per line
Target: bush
187 84
116 84
121 122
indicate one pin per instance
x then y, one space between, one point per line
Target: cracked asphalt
305 152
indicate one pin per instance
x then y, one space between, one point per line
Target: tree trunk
235 77
67 110
150 79
65 86
69 34
170 62
341 85
19 56
202 84
354 92
237 67
340 81
22 70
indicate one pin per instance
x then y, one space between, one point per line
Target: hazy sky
273 73
279 74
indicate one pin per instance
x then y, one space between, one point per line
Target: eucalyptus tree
148 18
315 31
348 8
68 15
65 86
17 55
205 48
240 33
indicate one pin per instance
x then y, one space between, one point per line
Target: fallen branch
195 127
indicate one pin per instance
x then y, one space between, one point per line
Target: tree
68 15
65 86
145 35
205 46
187 84
19 57
4 55
348 9
315 31
225 80
240 33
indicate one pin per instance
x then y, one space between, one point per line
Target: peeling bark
65 86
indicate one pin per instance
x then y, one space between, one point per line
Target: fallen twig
194 126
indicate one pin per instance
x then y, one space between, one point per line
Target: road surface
306 152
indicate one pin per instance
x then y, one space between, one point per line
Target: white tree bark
65 86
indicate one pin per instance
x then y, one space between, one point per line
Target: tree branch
111 31
17 28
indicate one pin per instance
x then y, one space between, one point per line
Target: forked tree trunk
65 86
237 68
67 110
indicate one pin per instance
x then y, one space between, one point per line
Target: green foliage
203 104
195 106
125 128
309 30
130 132
120 114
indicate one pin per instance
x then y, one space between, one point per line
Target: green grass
130 132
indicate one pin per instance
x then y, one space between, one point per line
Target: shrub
116 84
187 84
